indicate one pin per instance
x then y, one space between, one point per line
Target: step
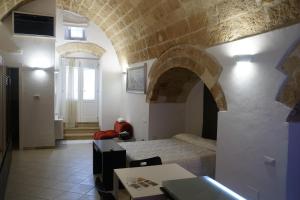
87 124
81 130
78 136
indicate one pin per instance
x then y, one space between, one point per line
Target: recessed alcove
181 103
174 86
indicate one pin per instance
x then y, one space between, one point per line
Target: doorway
88 98
12 106
80 90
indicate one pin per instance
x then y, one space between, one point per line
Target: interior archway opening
182 103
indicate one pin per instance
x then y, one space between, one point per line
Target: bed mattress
191 152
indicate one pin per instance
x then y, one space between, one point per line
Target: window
75 33
89 87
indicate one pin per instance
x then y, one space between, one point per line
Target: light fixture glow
244 68
245 46
39 60
124 67
243 58
39 73
225 189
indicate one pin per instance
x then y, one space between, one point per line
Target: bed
196 154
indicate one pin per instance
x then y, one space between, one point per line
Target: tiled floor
64 173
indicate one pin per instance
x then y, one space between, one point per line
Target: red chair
118 128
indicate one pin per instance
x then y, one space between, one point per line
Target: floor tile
81 188
68 196
64 173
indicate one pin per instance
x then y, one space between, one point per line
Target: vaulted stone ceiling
174 85
143 29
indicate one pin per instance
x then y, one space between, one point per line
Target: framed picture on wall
137 79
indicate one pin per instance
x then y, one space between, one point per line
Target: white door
88 91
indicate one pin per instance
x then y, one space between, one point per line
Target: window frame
68 33
83 84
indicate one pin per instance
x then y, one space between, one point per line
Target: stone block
197 21
231 8
283 14
291 65
178 29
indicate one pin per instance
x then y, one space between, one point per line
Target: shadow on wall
293 172
182 103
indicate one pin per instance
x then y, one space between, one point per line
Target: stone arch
76 47
289 93
141 30
193 59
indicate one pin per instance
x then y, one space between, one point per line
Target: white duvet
190 151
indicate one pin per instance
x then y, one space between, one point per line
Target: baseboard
4 171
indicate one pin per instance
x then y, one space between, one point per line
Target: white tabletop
157 174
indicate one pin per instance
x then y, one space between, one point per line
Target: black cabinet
107 156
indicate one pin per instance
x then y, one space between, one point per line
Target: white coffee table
157 174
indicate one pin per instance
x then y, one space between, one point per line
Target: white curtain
72 79
71 92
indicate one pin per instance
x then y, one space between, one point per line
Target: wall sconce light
243 58
39 73
244 68
39 60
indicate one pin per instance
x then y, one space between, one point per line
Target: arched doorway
79 63
184 89
193 59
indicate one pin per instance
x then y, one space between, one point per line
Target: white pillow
197 140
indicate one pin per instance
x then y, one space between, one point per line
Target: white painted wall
254 125
160 120
37 51
37 113
134 107
36 116
110 72
194 110
166 120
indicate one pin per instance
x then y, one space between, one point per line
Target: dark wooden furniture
102 192
146 162
107 156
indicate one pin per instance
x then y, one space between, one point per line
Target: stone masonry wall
290 91
144 29
75 47
193 59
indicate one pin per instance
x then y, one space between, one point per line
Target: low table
107 156
156 174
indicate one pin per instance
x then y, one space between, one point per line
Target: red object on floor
118 128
